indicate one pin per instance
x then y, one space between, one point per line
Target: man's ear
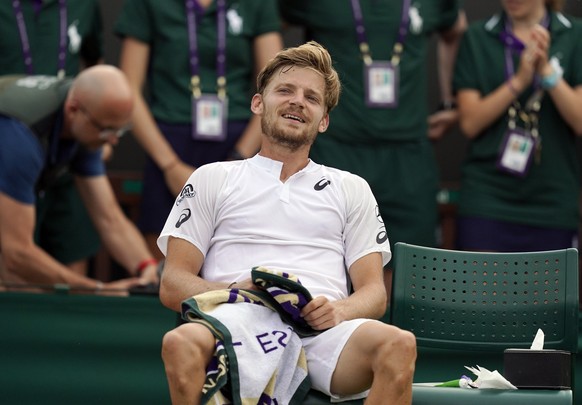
71 104
324 123
257 104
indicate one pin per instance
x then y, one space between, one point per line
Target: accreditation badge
516 152
381 85
210 112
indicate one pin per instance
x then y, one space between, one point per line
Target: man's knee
406 341
398 351
188 342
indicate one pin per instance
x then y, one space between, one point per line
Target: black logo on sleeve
321 184
187 192
382 235
184 216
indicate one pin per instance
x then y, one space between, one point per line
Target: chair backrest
486 301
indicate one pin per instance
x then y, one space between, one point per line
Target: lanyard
529 114
191 7
361 32
62 56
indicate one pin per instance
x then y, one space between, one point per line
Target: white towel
258 361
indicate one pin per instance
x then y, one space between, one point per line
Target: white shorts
323 351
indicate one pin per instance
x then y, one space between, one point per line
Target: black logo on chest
321 184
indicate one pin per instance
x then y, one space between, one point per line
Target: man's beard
280 136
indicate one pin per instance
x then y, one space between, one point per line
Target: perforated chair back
486 301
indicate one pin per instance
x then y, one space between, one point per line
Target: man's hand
322 314
149 275
441 122
118 288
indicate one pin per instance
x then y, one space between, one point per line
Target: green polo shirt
162 25
548 195
331 23
84 38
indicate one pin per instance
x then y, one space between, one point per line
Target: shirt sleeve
88 163
365 231
268 20
21 160
192 217
134 21
464 76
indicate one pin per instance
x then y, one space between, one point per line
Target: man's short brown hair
310 55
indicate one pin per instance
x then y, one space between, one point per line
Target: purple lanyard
62 57
192 7
361 32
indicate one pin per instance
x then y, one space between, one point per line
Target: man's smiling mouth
294 117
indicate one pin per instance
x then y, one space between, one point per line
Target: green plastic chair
466 308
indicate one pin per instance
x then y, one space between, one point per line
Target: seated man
283 211
48 126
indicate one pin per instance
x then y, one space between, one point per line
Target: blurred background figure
519 83
58 37
198 60
48 125
381 129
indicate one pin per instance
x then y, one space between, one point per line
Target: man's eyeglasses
105 132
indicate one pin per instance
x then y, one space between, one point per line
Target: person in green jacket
519 82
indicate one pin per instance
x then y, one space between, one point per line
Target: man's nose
298 98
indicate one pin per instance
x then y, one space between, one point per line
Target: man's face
94 129
292 107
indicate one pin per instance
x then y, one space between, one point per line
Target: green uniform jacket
548 195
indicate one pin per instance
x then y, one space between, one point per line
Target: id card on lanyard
209 111
520 144
516 152
25 42
381 78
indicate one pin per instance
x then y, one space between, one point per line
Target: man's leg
186 352
381 357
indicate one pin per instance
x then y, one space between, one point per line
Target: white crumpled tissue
489 379
538 342
492 379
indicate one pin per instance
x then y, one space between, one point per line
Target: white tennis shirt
315 225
